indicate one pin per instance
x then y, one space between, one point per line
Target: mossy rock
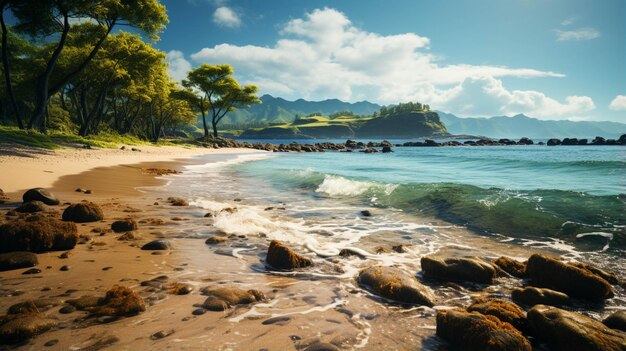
396 284
39 234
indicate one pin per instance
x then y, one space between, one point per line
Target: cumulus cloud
226 17
619 103
587 33
178 66
324 55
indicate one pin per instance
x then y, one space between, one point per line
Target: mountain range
278 110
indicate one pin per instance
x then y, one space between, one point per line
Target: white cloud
324 55
178 65
619 103
586 33
226 17
568 21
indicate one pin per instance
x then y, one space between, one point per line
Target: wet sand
324 304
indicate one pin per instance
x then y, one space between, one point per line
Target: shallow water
313 202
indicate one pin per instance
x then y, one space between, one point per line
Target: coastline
26 167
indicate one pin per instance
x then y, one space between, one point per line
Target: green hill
403 124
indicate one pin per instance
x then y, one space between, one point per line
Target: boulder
396 284
511 266
458 269
214 240
223 298
576 282
16 260
118 301
38 235
281 257
502 309
472 331
33 306
616 321
125 225
157 245
16 328
387 149
40 194
531 296
179 289
83 212
177 201
609 277
565 330
31 207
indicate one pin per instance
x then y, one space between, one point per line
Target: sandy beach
315 308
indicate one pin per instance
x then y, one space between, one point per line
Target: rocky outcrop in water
502 309
565 331
531 296
282 257
472 331
458 269
396 284
224 298
511 266
616 320
548 272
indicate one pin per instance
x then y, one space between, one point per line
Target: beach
307 308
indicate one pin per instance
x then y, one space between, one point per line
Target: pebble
198 312
51 343
32 271
64 268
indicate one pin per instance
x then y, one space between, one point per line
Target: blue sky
550 59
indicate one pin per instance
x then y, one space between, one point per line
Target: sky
549 59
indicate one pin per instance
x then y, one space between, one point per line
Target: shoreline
26 167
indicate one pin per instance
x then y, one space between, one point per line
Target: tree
6 68
47 19
220 92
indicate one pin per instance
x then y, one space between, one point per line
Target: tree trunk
214 123
7 70
43 80
206 129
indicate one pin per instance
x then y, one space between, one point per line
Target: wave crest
340 186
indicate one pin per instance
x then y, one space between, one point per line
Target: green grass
56 140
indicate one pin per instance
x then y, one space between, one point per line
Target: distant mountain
523 126
275 109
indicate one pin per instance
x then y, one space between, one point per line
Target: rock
84 302
157 245
387 149
40 194
125 225
458 269
281 257
119 301
396 284
525 141
64 268
198 311
564 331
531 296
67 309
50 343
472 331
31 207
18 328
161 334
223 298
366 213
32 271
179 289
38 235
128 236
609 277
216 240
16 260
83 212
511 266
554 142
616 321
551 273
177 201
502 309
32 306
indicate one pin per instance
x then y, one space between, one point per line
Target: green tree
220 92
45 20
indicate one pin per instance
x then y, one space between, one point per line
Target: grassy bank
55 139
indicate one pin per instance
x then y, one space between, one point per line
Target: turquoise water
576 194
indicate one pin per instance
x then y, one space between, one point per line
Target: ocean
461 201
